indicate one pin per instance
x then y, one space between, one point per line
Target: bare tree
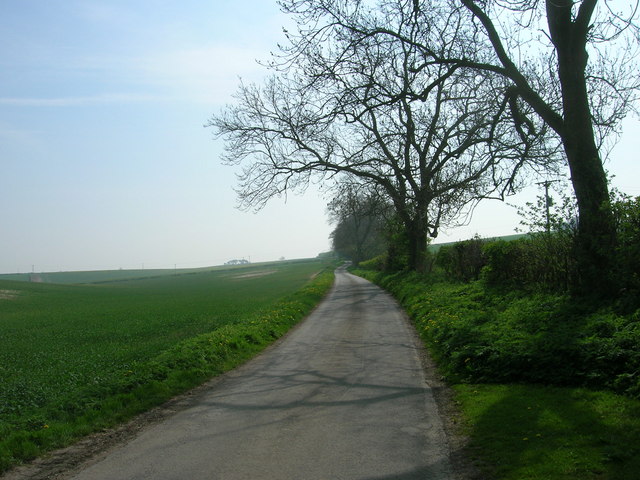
593 97
572 62
434 138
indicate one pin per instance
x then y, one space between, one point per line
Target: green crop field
64 348
103 276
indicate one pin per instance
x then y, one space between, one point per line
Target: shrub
462 261
611 352
544 261
541 261
376 263
627 216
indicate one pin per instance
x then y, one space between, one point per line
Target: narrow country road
342 397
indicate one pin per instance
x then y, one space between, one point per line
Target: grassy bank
75 359
529 372
533 432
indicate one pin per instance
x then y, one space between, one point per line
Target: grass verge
147 384
528 432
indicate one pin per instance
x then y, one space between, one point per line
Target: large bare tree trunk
596 230
417 247
569 25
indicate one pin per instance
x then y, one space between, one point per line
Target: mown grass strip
175 370
527 431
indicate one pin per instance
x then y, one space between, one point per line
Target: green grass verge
112 358
497 349
526 432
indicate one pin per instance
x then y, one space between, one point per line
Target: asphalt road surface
342 397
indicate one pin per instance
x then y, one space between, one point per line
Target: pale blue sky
104 160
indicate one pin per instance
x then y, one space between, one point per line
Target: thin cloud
102 99
204 75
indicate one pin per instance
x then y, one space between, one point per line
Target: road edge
450 415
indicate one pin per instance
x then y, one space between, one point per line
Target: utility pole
547 201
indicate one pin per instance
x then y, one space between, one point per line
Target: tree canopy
434 139
441 103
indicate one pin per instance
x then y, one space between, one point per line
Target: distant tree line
417 110
360 222
237 262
